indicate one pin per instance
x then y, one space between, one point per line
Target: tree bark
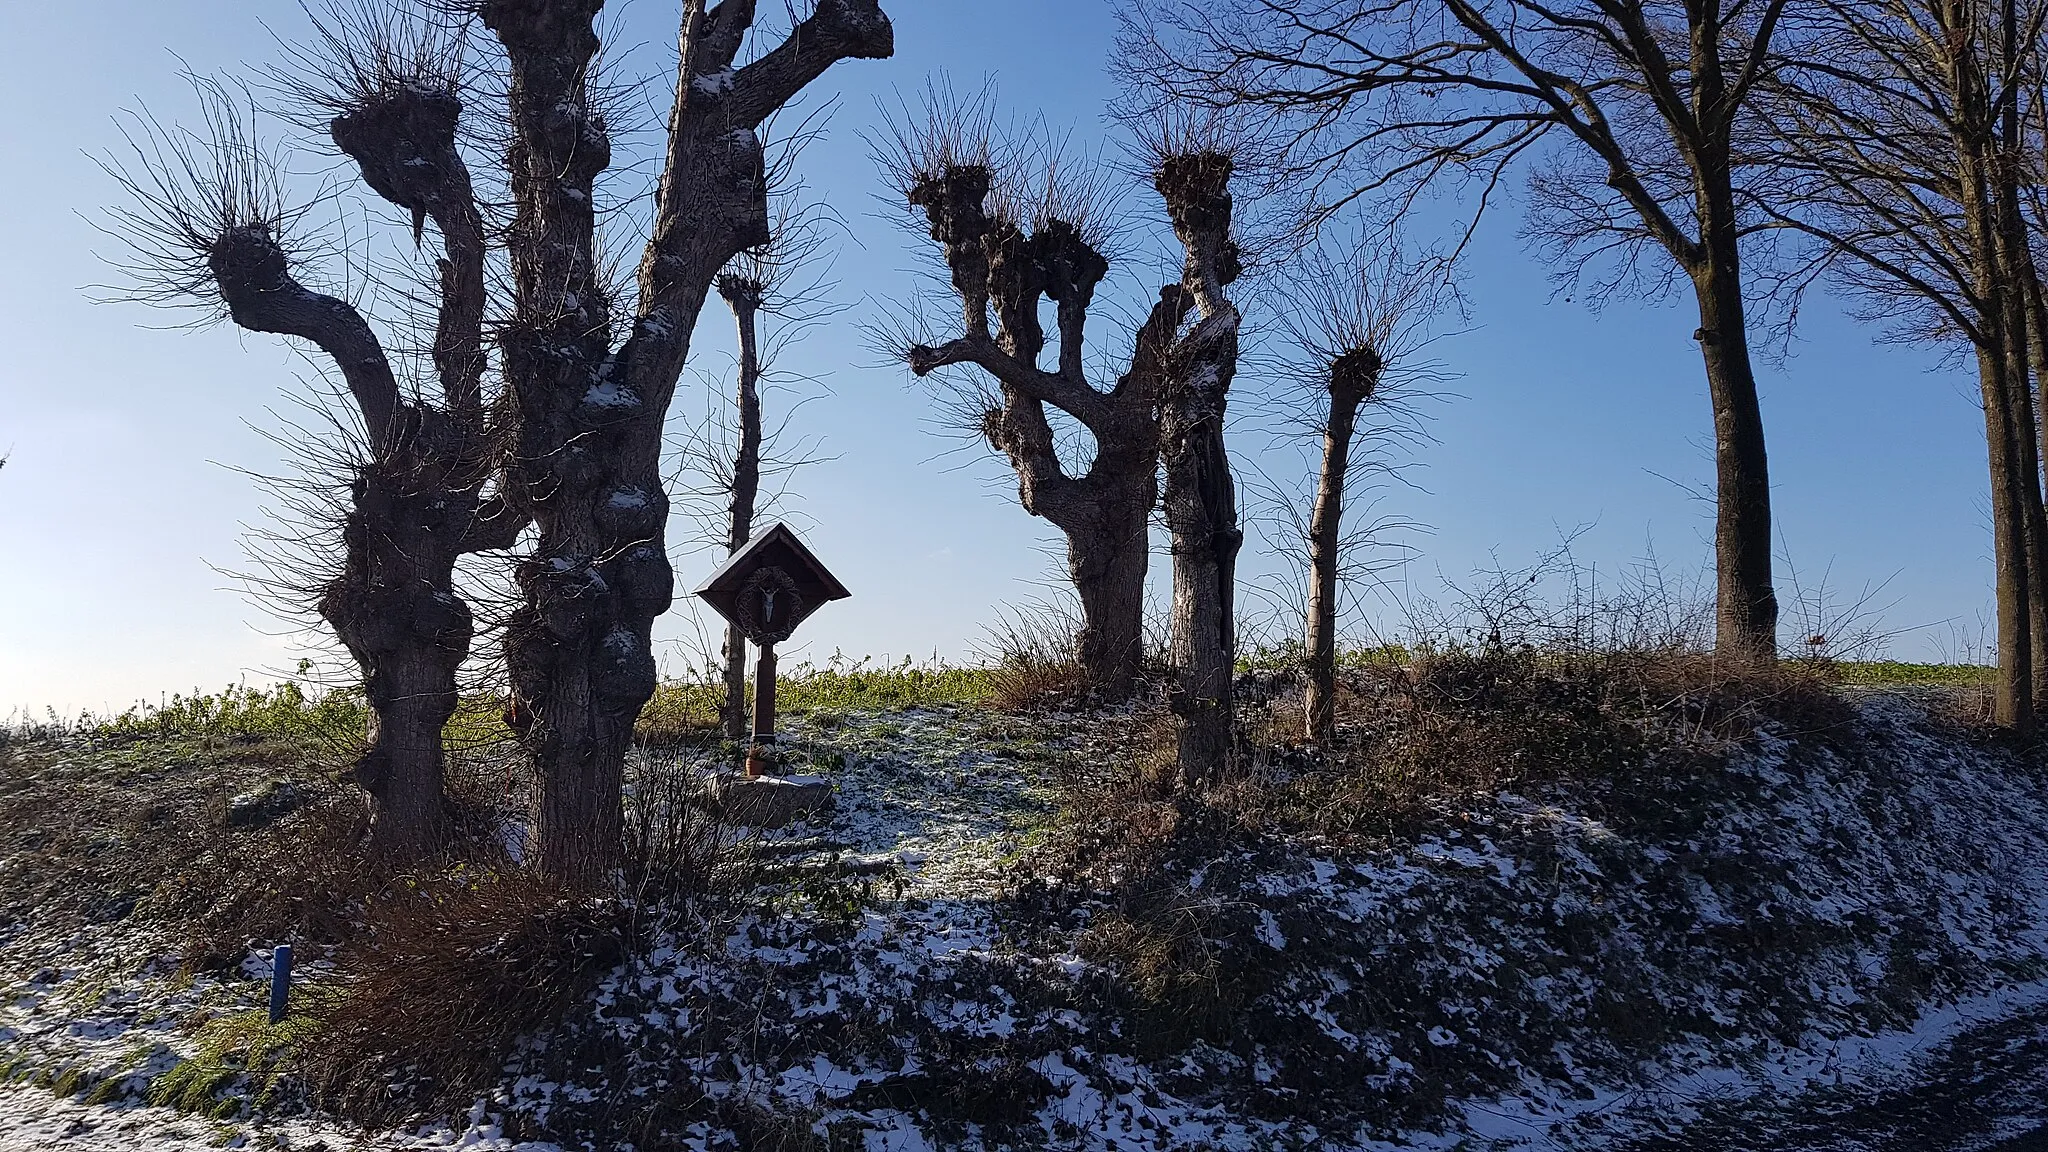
2013 695
1200 499
1201 511
1746 602
1349 387
394 607
1107 558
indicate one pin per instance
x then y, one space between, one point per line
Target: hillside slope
992 943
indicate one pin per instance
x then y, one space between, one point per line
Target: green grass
241 1061
288 712
1892 672
682 705
285 712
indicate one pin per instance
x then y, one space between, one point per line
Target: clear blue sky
120 499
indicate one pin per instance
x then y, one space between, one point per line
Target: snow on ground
1783 941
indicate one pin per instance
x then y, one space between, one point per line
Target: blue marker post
280 982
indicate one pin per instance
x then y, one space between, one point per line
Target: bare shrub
676 847
308 877
303 879
1419 740
443 982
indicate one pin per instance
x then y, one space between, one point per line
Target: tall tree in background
1635 107
588 462
1008 246
208 223
1898 147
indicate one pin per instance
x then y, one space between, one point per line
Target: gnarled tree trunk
591 417
1200 500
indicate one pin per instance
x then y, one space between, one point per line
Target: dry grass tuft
1034 656
445 979
1418 738
1175 981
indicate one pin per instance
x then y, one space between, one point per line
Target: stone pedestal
772 801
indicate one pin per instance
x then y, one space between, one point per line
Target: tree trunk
1201 511
1200 498
2036 310
2013 696
2017 278
2017 271
1108 553
1977 177
744 296
1325 532
406 774
1745 601
395 609
578 648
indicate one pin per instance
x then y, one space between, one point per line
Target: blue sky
122 499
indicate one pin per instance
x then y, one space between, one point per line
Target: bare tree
587 403
1192 175
1898 148
1007 245
591 411
1357 319
1635 109
209 223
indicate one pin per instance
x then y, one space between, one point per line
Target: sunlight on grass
289 712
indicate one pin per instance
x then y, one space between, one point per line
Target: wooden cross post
766 589
761 752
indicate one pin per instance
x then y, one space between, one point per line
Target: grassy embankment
289 712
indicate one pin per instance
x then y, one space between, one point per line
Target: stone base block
772 801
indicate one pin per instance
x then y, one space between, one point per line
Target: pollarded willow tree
584 405
1009 244
587 466
1357 318
1200 497
1636 111
209 224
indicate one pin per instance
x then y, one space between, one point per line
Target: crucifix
766 589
